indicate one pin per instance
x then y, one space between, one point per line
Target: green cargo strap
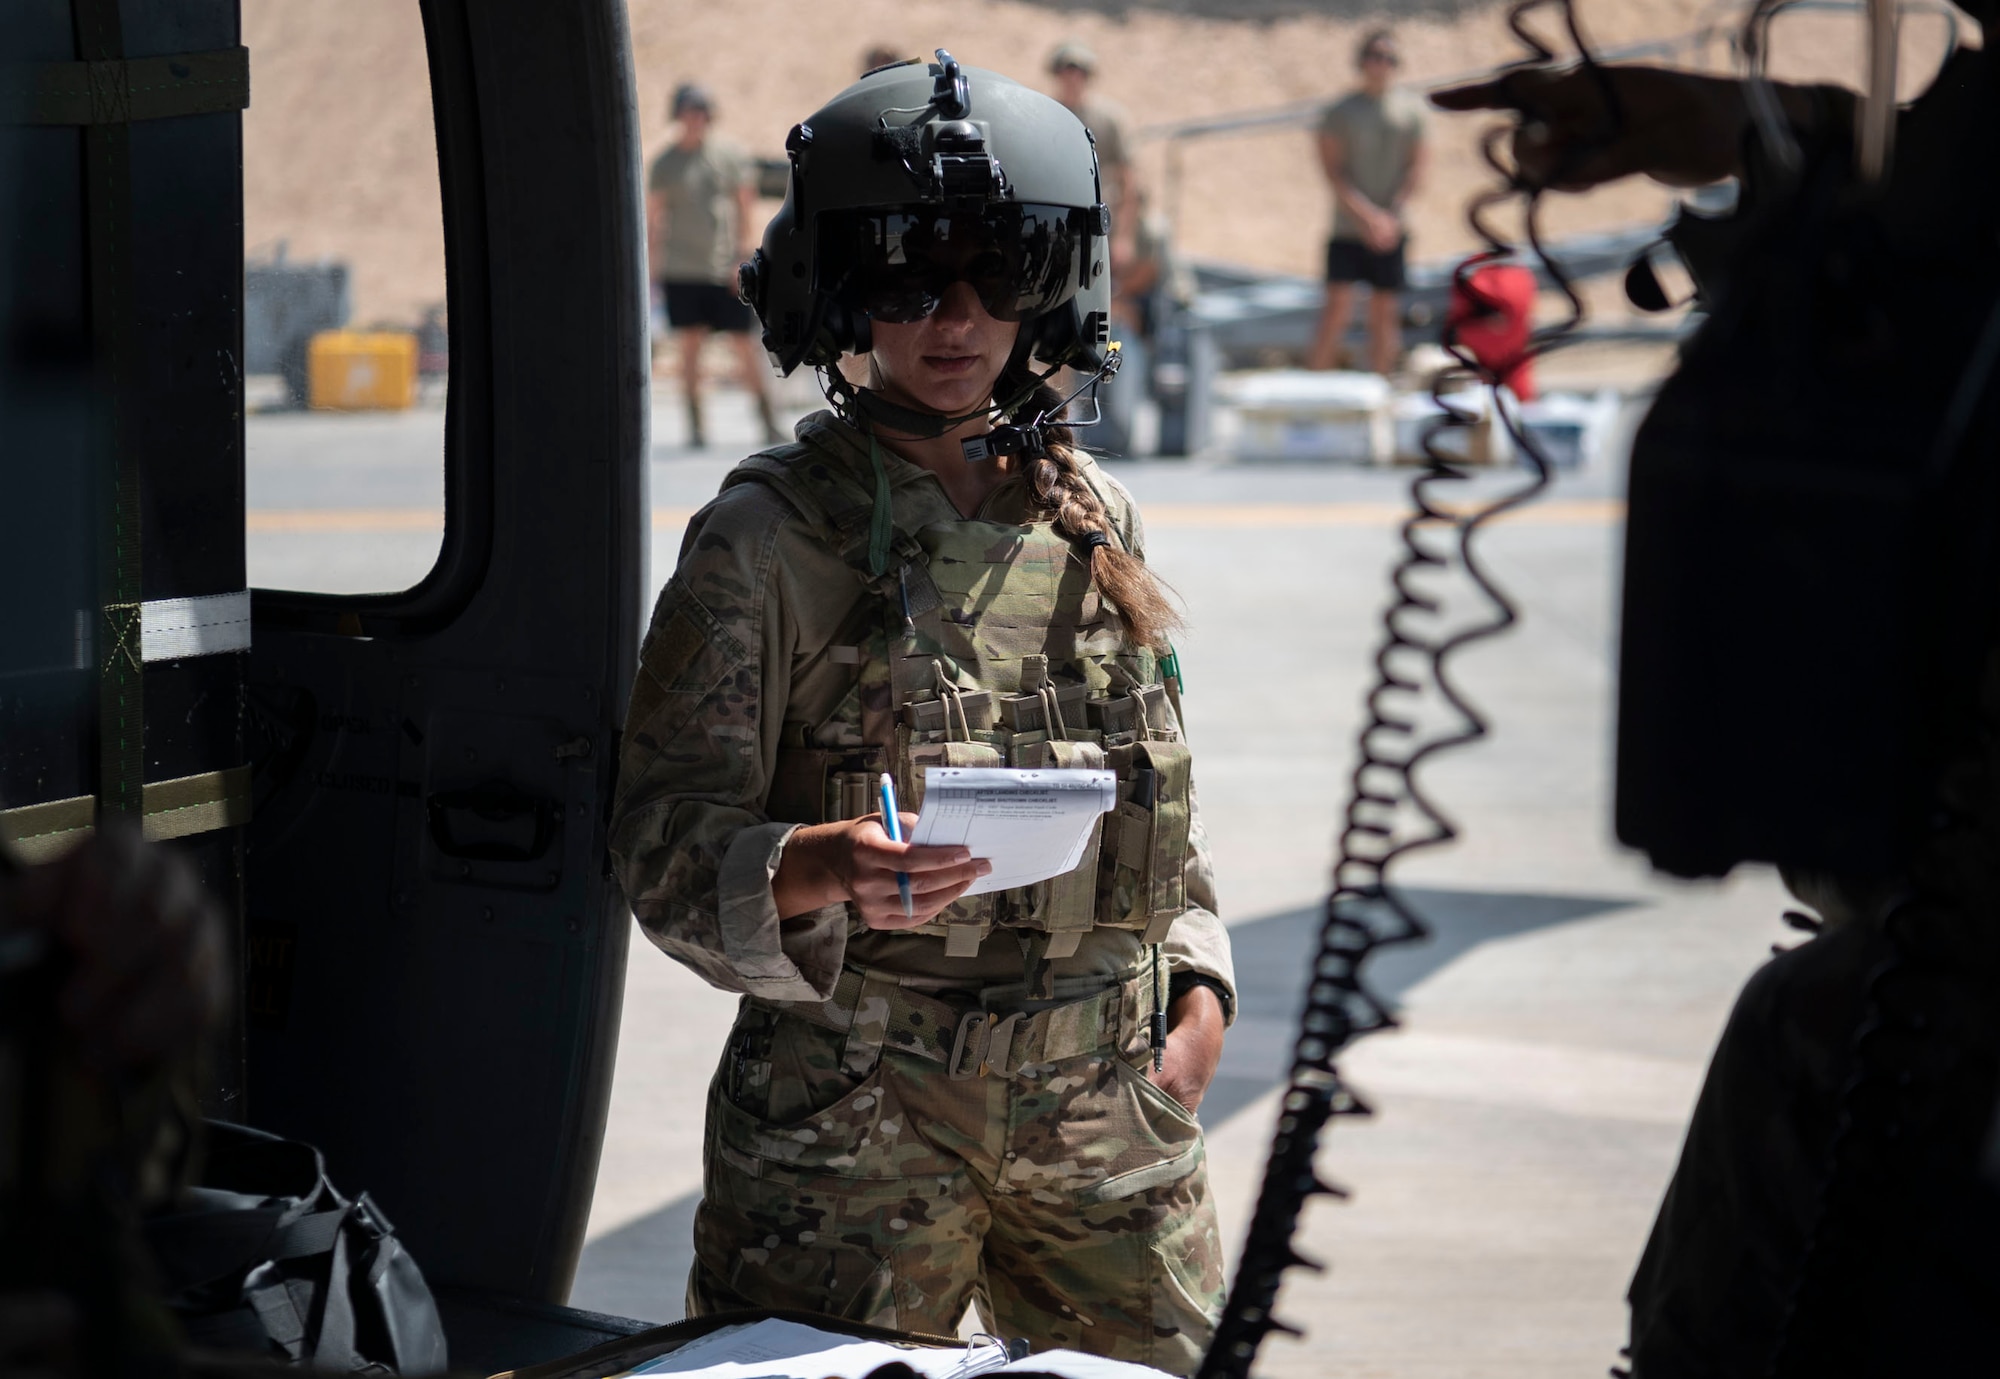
113 90
107 192
977 1041
188 805
42 831
121 716
175 808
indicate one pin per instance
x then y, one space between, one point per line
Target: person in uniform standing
971 1099
699 199
880 55
1073 69
1372 150
1150 287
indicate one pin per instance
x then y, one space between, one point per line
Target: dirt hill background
339 158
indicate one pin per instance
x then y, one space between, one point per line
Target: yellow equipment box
361 370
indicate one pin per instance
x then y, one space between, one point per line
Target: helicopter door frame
435 948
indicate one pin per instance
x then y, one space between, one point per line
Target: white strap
170 629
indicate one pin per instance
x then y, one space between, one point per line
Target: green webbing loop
881 527
1170 668
107 192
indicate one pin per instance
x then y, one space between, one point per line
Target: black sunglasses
896 266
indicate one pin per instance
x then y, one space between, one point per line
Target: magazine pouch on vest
987 644
1141 884
267 1257
812 785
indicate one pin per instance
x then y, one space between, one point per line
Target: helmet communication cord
1029 440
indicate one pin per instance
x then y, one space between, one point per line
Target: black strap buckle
1004 440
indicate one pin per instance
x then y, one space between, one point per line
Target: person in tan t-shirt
700 194
881 55
1074 68
1371 148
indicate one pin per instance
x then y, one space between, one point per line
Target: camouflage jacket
743 639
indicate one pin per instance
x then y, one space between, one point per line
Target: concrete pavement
1555 1030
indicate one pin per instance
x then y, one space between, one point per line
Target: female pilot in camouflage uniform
913 1112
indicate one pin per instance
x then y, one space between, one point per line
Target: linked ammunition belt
977 1040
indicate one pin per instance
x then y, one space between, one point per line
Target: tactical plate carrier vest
986 644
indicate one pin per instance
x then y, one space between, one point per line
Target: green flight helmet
919 175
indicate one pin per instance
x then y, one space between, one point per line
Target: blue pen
893 823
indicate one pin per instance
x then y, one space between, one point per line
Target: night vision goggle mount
961 169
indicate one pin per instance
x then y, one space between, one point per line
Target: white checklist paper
1029 824
778 1349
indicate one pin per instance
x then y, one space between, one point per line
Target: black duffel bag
266 1256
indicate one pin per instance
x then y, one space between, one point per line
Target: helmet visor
896 265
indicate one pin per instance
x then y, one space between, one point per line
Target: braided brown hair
1060 489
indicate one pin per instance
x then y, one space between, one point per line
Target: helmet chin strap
865 404
1008 438
909 421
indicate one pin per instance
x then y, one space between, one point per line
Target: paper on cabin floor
1030 824
777 1349
1074 1364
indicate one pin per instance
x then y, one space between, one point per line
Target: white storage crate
1304 415
1571 429
1485 441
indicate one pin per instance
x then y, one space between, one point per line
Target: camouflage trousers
1069 1200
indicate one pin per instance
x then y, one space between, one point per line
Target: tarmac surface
1555 1028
